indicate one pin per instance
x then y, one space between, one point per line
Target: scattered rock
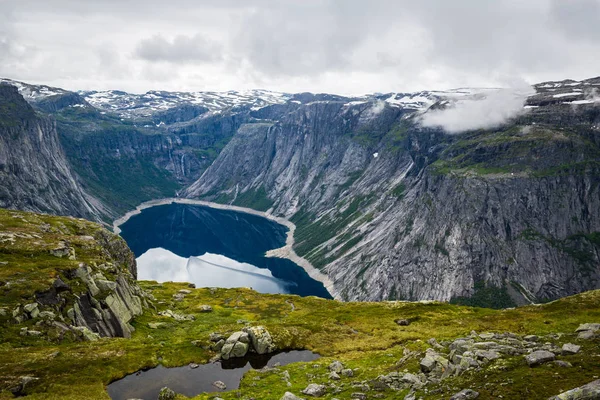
486 336
32 309
531 338
569 349
204 308
359 396
220 385
590 391
290 396
427 364
347 372
166 394
336 366
194 365
334 376
586 335
192 285
465 394
562 364
185 291
402 322
215 337
87 334
47 315
489 355
588 327
156 325
315 390
539 357
178 297
176 316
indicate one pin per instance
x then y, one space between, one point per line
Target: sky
336 46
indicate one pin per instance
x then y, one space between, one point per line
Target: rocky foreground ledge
67 286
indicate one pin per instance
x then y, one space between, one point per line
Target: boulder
402 322
334 376
465 394
48 315
185 291
586 335
290 396
347 372
427 364
204 308
32 309
261 340
569 349
166 394
156 325
539 357
489 355
531 338
336 366
591 391
588 327
235 346
359 396
315 390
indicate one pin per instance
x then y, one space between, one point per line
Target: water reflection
166 237
208 270
191 382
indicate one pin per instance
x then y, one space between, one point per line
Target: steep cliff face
391 210
34 172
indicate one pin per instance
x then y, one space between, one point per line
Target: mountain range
389 206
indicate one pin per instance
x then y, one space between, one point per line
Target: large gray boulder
591 391
261 339
539 357
235 346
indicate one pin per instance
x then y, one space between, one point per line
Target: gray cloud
181 49
343 46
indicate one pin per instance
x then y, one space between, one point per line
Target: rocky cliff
392 210
66 278
34 172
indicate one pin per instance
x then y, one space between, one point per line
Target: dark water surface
193 381
214 248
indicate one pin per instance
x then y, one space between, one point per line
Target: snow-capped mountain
129 105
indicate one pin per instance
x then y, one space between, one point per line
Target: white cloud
489 110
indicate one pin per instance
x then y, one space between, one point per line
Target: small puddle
193 381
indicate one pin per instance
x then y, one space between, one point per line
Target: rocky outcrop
34 172
89 299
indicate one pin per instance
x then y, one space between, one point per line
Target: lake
214 248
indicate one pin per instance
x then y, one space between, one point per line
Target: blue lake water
214 248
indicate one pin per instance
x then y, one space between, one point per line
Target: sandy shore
287 251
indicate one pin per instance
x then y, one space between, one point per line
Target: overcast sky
339 46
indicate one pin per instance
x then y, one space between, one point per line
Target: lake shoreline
286 251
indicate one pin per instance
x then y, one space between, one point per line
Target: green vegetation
124 183
486 296
398 191
363 336
256 199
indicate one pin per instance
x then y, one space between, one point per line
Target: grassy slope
362 335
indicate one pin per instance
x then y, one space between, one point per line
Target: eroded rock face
428 212
35 174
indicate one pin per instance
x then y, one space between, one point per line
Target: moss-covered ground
363 336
